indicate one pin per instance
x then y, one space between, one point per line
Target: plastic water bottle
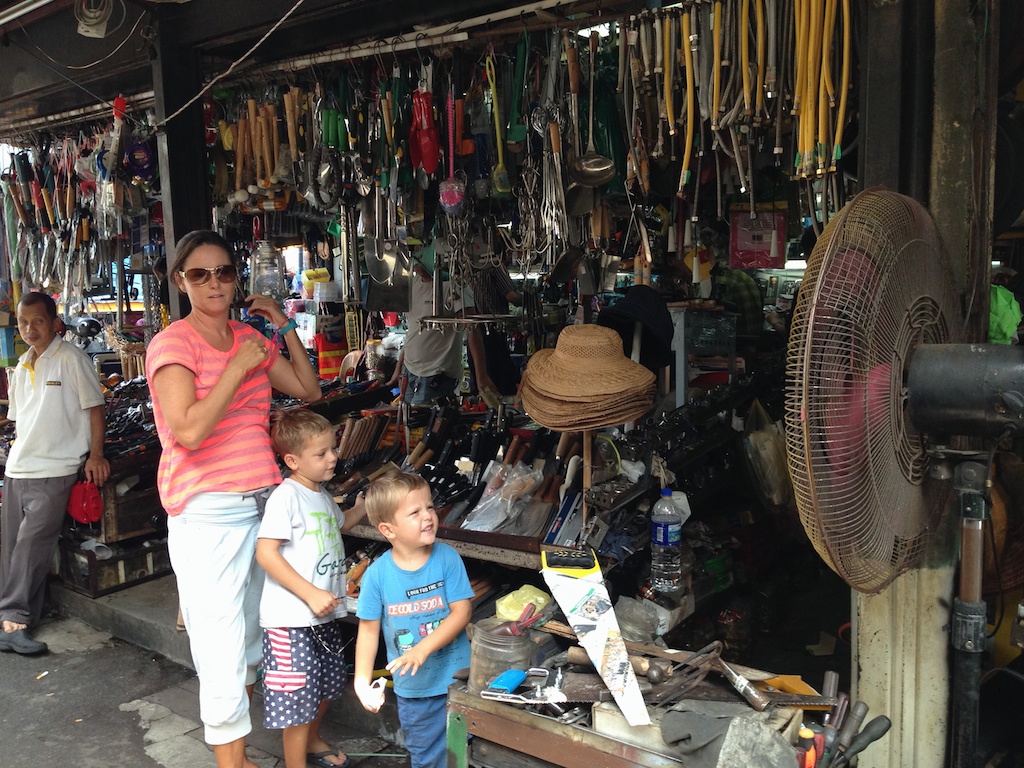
666 544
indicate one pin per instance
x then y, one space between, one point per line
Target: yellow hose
799 48
826 53
812 67
667 67
759 89
744 31
844 86
826 95
716 36
684 34
823 110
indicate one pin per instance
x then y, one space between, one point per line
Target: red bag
85 504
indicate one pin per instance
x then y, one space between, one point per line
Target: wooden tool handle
268 153
556 139
424 457
293 135
254 137
572 58
241 148
298 104
19 206
514 450
418 451
69 203
346 437
578 655
257 147
48 205
275 134
58 203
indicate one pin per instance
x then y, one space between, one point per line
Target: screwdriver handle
851 725
873 731
829 689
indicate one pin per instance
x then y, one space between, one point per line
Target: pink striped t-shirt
237 456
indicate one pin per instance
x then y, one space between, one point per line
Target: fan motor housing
975 390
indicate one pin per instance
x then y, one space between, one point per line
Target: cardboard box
307 324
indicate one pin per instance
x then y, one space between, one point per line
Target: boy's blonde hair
385 494
291 430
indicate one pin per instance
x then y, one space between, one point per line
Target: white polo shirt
50 401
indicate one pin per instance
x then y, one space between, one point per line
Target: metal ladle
592 169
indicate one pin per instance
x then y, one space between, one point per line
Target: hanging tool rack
566 127
569 142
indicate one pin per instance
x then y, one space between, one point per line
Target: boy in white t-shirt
301 549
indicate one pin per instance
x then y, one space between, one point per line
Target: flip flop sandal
320 760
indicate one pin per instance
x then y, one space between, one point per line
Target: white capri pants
212 546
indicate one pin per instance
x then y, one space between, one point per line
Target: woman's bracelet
291 325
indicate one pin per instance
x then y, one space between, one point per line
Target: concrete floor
117 689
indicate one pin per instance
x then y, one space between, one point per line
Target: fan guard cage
876 286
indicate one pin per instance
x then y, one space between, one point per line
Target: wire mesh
876 286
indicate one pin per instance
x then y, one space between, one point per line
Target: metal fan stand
973 390
971 481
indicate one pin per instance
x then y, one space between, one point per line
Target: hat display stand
634 355
586 373
588 472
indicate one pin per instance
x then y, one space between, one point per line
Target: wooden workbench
504 735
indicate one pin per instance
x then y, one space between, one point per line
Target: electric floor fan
884 407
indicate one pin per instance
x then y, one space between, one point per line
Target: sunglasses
225 273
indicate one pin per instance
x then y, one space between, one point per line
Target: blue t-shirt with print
410 605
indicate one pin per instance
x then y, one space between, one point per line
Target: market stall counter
504 735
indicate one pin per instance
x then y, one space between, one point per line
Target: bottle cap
666 491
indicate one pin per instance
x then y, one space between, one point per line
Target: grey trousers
31 518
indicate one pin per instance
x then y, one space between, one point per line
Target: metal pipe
23 8
143 100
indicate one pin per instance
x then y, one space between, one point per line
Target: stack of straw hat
586 382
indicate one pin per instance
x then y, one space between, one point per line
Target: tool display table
505 735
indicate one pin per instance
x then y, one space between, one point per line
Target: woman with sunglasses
211 379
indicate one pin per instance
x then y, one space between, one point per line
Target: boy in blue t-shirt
419 595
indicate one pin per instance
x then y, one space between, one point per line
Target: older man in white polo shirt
60 418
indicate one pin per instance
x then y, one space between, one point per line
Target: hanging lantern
267 275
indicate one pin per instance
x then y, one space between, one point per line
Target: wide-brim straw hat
586 382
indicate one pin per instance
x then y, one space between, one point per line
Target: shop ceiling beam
440 34
362 51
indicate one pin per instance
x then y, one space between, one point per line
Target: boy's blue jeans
424 722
